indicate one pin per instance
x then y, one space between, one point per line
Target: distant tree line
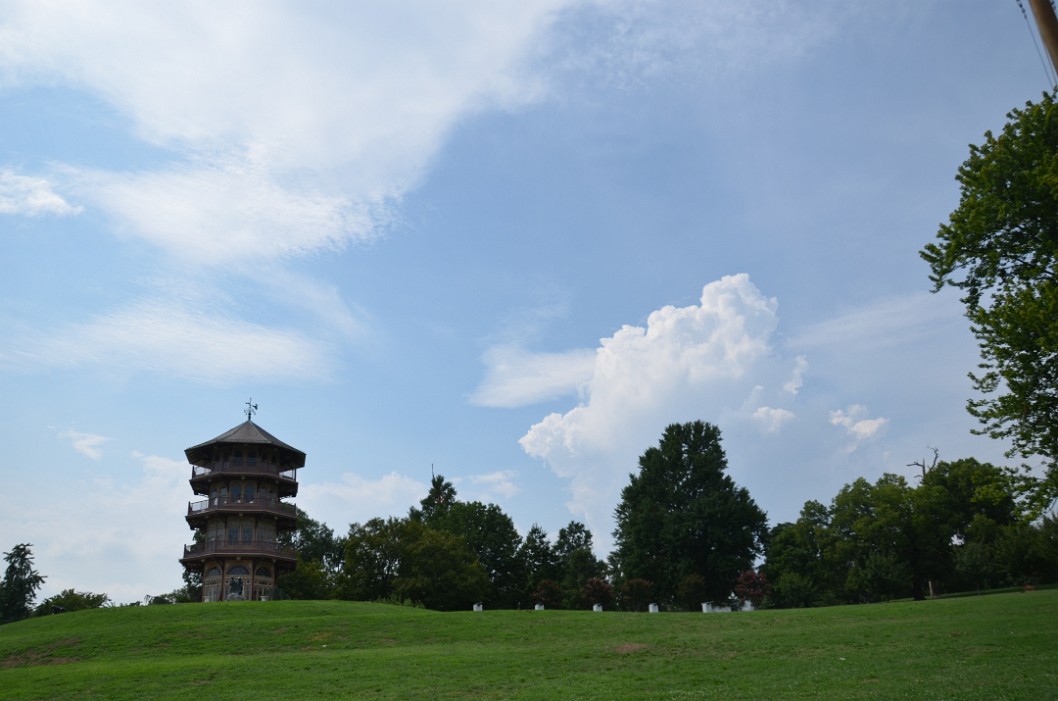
966 526
685 534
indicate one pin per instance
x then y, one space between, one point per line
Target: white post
653 608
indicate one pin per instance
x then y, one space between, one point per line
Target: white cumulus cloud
704 361
771 419
855 422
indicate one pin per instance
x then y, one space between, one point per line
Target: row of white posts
707 607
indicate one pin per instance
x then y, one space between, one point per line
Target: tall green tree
492 537
681 514
1000 249
576 564
371 561
437 501
539 562
407 560
319 560
20 584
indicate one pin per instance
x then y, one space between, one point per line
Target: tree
372 558
682 514
492 537
20 584
636 593
439 499
538 562
319 560
752 587
438 569
1000 249
407 560
70 600
576 562
597 591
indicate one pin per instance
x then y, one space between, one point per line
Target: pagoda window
251 457
215 530
248 491
264 572
236 458
233 532
266 532
236 492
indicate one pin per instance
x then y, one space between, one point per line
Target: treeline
446 554
965 526
685 534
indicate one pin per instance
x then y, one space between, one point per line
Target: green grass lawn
989 648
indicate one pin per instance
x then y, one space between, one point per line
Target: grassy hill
988 648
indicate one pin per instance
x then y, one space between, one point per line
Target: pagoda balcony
252 548
257 505
261 468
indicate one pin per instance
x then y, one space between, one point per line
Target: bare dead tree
921 464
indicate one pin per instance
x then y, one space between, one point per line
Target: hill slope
988 648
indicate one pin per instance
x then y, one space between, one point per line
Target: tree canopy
682 516
20 584
1000 249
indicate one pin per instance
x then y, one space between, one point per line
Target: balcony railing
243 505
268 548
261 468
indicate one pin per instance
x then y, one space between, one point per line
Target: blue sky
509 240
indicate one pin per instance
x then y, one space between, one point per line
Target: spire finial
250 409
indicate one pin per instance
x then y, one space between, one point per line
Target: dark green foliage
320 556
691 593
438 570
966 526
492 537
539 562
70 600
404 559
683 515
308 580
20 584
1000 249
372 556
636 593
576 563
440 498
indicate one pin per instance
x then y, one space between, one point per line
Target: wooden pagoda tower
244 475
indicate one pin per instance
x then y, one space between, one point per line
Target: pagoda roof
245 433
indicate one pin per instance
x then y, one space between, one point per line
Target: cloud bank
712 361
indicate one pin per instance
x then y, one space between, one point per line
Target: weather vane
250 409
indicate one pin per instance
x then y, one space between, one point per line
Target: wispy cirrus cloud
87 444
166 336
31 196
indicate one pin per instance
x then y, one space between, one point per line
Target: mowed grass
989 648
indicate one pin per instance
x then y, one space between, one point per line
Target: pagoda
244 475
